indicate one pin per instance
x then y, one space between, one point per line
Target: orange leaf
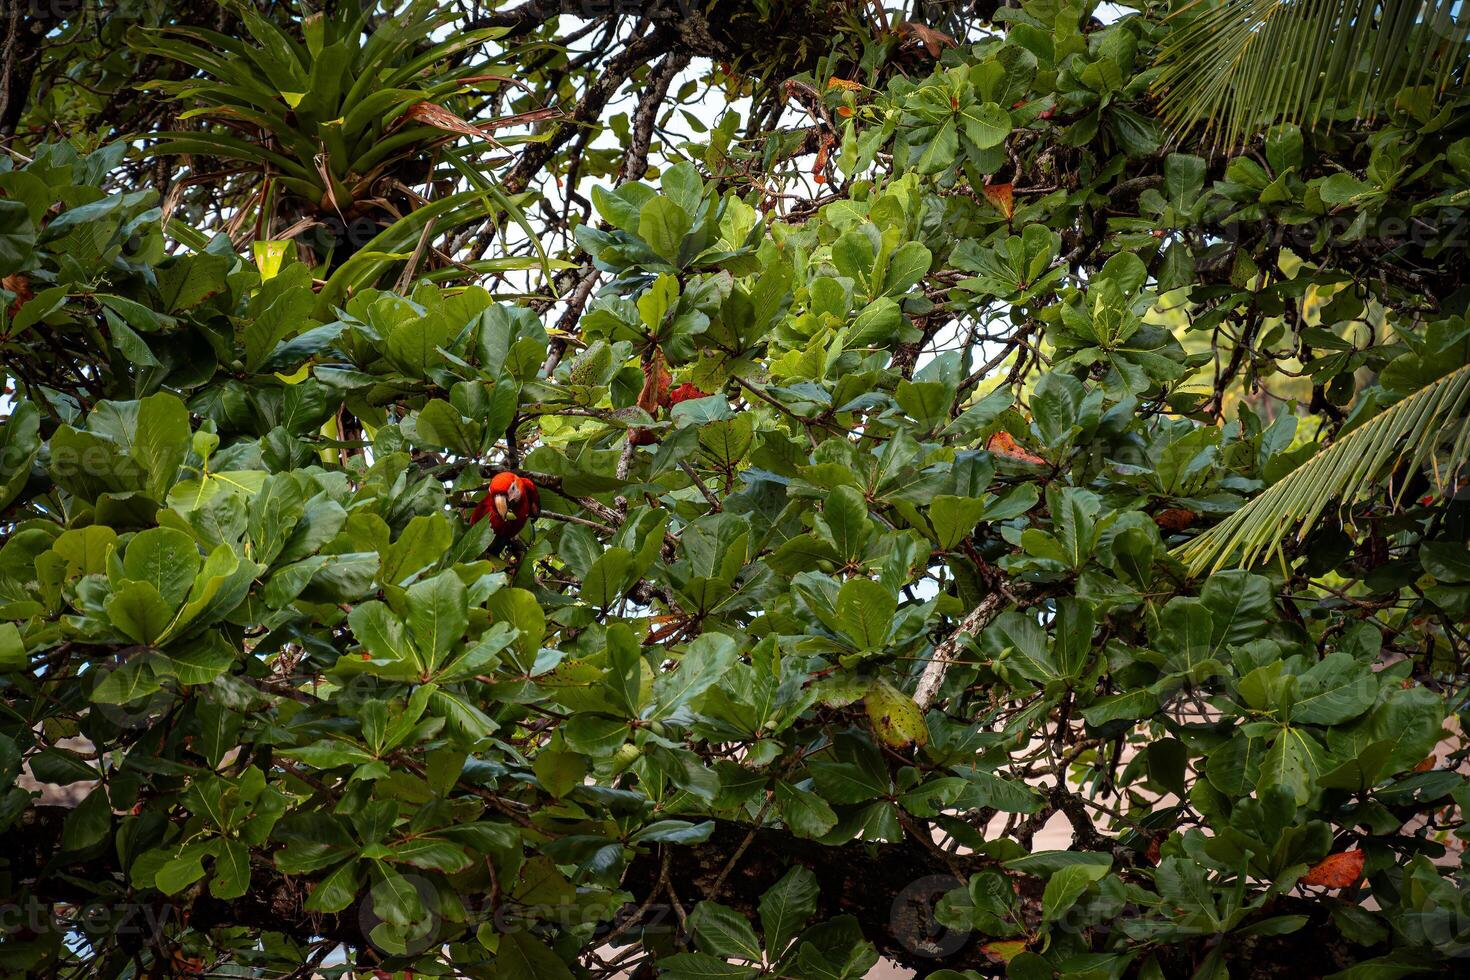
843 83
1427 764
1002 198
821 162
1336 870
1003 444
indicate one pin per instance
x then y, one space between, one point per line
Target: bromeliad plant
339 119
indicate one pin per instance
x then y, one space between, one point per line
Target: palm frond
1411 430
1236 66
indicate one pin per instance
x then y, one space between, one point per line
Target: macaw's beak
501 506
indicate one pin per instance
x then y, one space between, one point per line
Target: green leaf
786 906
139 612
1343 471
1066 885
438 613
420 545
608 577
954 518
165 559
431 853
595 736
337 890
162 440
702 966
674 832
231 878
986 125
806 813
17 236
722 931
865 610
12 649
559 772
439 425
523 957
1338 688
845 782
86 548
702 665
519 609
189 280
663 225
88 823
181 871
384 636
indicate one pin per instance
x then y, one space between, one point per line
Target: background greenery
954 431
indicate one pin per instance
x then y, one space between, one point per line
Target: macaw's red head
509 502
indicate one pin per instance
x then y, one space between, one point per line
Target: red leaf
1336 870
684 393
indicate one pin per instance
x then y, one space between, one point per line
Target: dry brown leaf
1175 519
18 284
656 380
934 41
441 118
1336 870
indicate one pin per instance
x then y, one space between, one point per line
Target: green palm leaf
1238 65
1411 430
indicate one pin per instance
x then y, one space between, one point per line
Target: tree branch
944 654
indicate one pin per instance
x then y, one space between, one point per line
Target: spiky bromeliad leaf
1238 65
1410 430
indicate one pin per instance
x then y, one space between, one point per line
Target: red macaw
510 502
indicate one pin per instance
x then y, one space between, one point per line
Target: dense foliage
938 457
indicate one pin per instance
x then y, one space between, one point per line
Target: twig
714 502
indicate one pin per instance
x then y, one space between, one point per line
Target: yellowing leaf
895 717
